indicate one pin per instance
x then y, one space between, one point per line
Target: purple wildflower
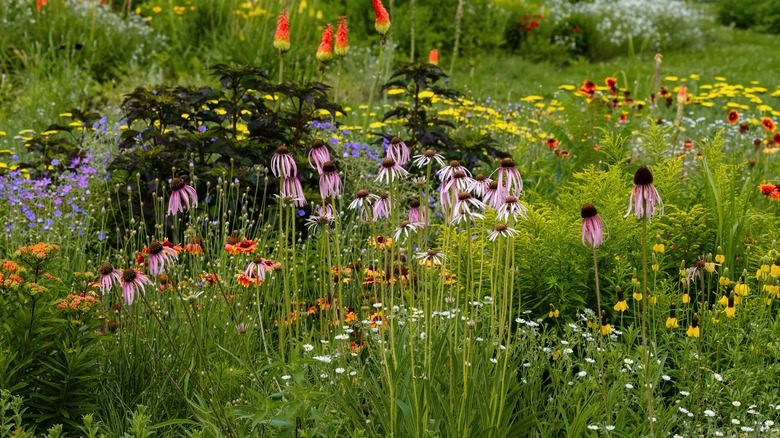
132 281
159 256
389 170
108 277
644 198
319 155
398 151
330 181
181 195
592 226
282 163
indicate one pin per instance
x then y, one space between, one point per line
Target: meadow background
340 274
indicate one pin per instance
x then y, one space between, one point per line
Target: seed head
588 210
643 176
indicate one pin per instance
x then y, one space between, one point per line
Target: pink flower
405 229
363 202
181 195
398 151
382 207
389 170
417 213
592 226
446 173
108 277
509 178
159 256
319 154
479 185
256 269
493 198
511 207
463 207
282 163
132 281
503 231
428 157
330 181
291 188
645 195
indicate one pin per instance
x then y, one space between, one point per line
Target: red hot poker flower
382 23
342 43
325 50
282 36
433 57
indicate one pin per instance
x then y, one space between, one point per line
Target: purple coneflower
181 195
513 180
398 151
108 277
282 163
314 221
404 229
318 154
460 182
256 269
330 181
159 256
592 226
493 197
427 158
291 188
382 206
463 207
644 197
389 170
132 281
430 257
503 231
417 213
447 172
479 185
511 207
363 202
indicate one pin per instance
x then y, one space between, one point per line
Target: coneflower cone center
588 210
155 247
281 150
395 140
429 153
454 163
329 166
480 177
501 228
387 163
128 275
464 196
106 269
177 184
257 261
362 193
643 176
318 144
507 163
493 185
415 203
432 252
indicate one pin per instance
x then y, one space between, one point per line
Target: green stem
644 328
601 336
375 84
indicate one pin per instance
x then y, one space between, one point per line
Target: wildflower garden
428 218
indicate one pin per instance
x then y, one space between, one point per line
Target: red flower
245 246
733 117
766 189
552 143
342 43
325 50
382 23
769 125
282 36
40 3
776 138
433 57
588 88
611 83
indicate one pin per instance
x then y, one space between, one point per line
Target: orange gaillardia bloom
382 23
733 116
325 50
342 43
768 124
282 36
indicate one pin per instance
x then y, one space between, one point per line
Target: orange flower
194 247
325 50
776 138
733 116
769 125
382 23
9 266
611 83
433 57
282 36
246 281
588 88
245 246
342 43
552 143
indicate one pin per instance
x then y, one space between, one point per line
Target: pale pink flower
133 280
282 163
592 226
181 195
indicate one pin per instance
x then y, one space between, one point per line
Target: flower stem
601 336
644 328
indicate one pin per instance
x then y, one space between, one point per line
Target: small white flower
590 360
593 427
324 376
709 413
735 421
609 427
769 423
568 350
286 377
340 370
685 393
353 373
582 373
342 337
666 378
308 347
494 360
718 377
378 305
325 359
629 386
747 429
736 403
